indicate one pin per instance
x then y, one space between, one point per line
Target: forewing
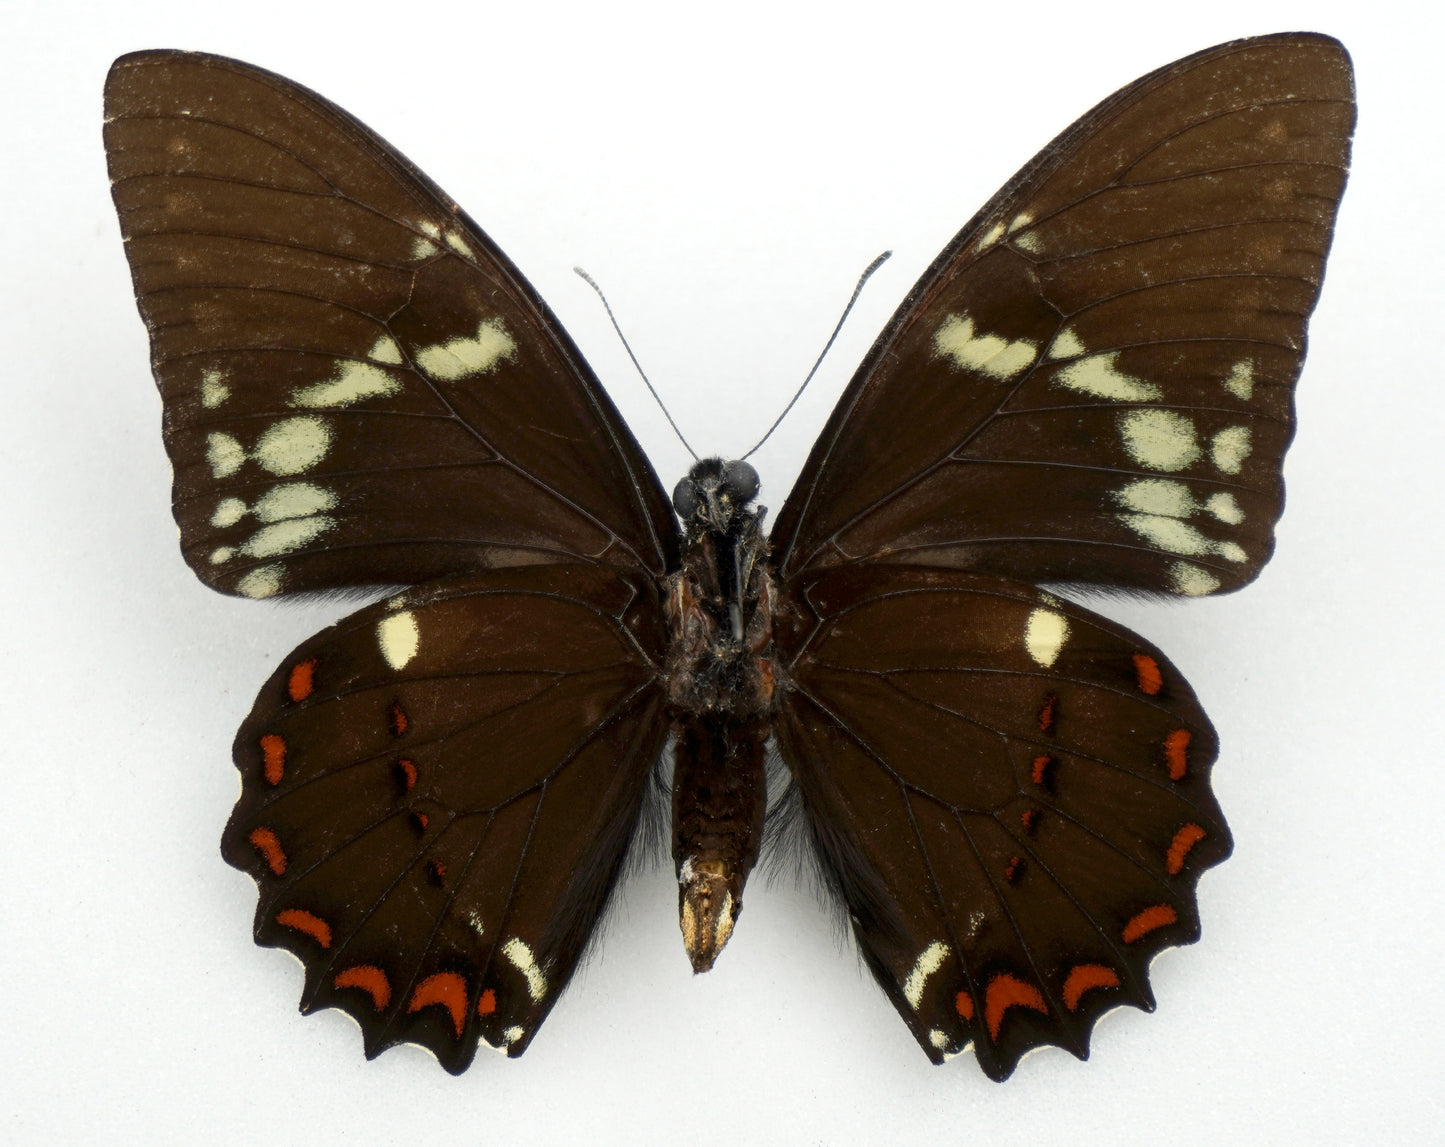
438 794
359 387
1094 381
1010 793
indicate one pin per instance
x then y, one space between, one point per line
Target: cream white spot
293 445
1225 508
399 638
991 355
688 921
1045 634
1098 375
468 357
228 512
429 228
459 245
397 602
1023 219
938 1039
385 350
1177 537
1230 447
1066 344
293 500
476 922
1240 382
222 554
1157 496
520 956
512 1035
423 248
263 581
213 390
991 236
224 454
1159 439
1030 242
283 537
352 382
928 962
1192 581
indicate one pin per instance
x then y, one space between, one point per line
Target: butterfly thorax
720 683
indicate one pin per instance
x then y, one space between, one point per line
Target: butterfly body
1008 793
721 679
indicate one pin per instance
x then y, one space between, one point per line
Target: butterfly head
714 495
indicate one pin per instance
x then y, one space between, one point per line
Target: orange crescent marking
264 841
302 680
1046 714
1085 978
1146 673
447 989
487 1003
408 773
1176 749
1004 992
308 922
273 758
1185 839
1148 920
963 1005
396 719
1013 869
369 978
1030 817
1040 773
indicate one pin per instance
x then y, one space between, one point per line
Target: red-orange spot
1030 819
963 1005
264 841
1146 921
487 1003
419 821
368 978
303 921
1048 713
1185 839
406 774
302 680
1041 769
1176 752
273 758
1014 870
1004 992
1085 978
436 870
1146 673
396 719
447 989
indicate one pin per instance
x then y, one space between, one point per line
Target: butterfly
1091 385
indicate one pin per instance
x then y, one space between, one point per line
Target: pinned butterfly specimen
1092 384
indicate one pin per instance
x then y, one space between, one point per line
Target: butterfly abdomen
720 686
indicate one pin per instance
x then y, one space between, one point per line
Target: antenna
858 290
591 282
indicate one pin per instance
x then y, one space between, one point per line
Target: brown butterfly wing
438 794
1011 795
359 387
1094 381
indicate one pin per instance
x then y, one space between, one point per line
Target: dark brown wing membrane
359 387
438 794
1010 793
1094 382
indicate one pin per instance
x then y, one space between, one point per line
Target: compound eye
741 481
684 498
